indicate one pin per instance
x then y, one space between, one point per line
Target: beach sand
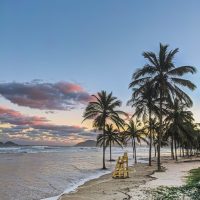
142 179
108 188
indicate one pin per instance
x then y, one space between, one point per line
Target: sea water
39 172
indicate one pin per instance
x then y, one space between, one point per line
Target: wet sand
142 180
108 188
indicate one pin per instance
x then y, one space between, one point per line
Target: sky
55 54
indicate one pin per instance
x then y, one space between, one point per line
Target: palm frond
184 82
180 71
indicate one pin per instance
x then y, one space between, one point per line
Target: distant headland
87 143
8 144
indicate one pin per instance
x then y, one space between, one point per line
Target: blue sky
96 44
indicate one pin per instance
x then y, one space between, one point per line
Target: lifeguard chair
121 168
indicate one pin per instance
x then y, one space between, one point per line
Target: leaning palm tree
135 132
101 110
165 77
145 105
111 137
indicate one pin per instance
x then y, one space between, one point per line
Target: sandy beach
142 180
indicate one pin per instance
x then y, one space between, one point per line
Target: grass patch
189 191
194 177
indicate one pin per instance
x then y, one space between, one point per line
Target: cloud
16 118
45 96
38 130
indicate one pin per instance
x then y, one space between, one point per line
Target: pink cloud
45 96
40 127
69 87
16 118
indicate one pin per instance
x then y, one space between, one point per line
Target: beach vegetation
191 190
134 132
104 109
166 79
161 116
180 126
144 101
112 137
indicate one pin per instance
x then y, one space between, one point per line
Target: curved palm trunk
150 137
135 150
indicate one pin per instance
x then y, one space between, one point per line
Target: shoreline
142 179
74 188
105 173
98 185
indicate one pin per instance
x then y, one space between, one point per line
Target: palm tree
101 110
145 105
179 120
164 76
111 136
134 132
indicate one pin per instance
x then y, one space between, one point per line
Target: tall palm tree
111 136
134 132
165 77
145 105
101 110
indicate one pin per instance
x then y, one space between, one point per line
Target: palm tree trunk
191 151
155 150
135 151
133 148
180 154
104 147
160 132
187 152
172 147
110 152
150 137
175 150
183 153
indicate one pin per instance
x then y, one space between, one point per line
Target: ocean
45 172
